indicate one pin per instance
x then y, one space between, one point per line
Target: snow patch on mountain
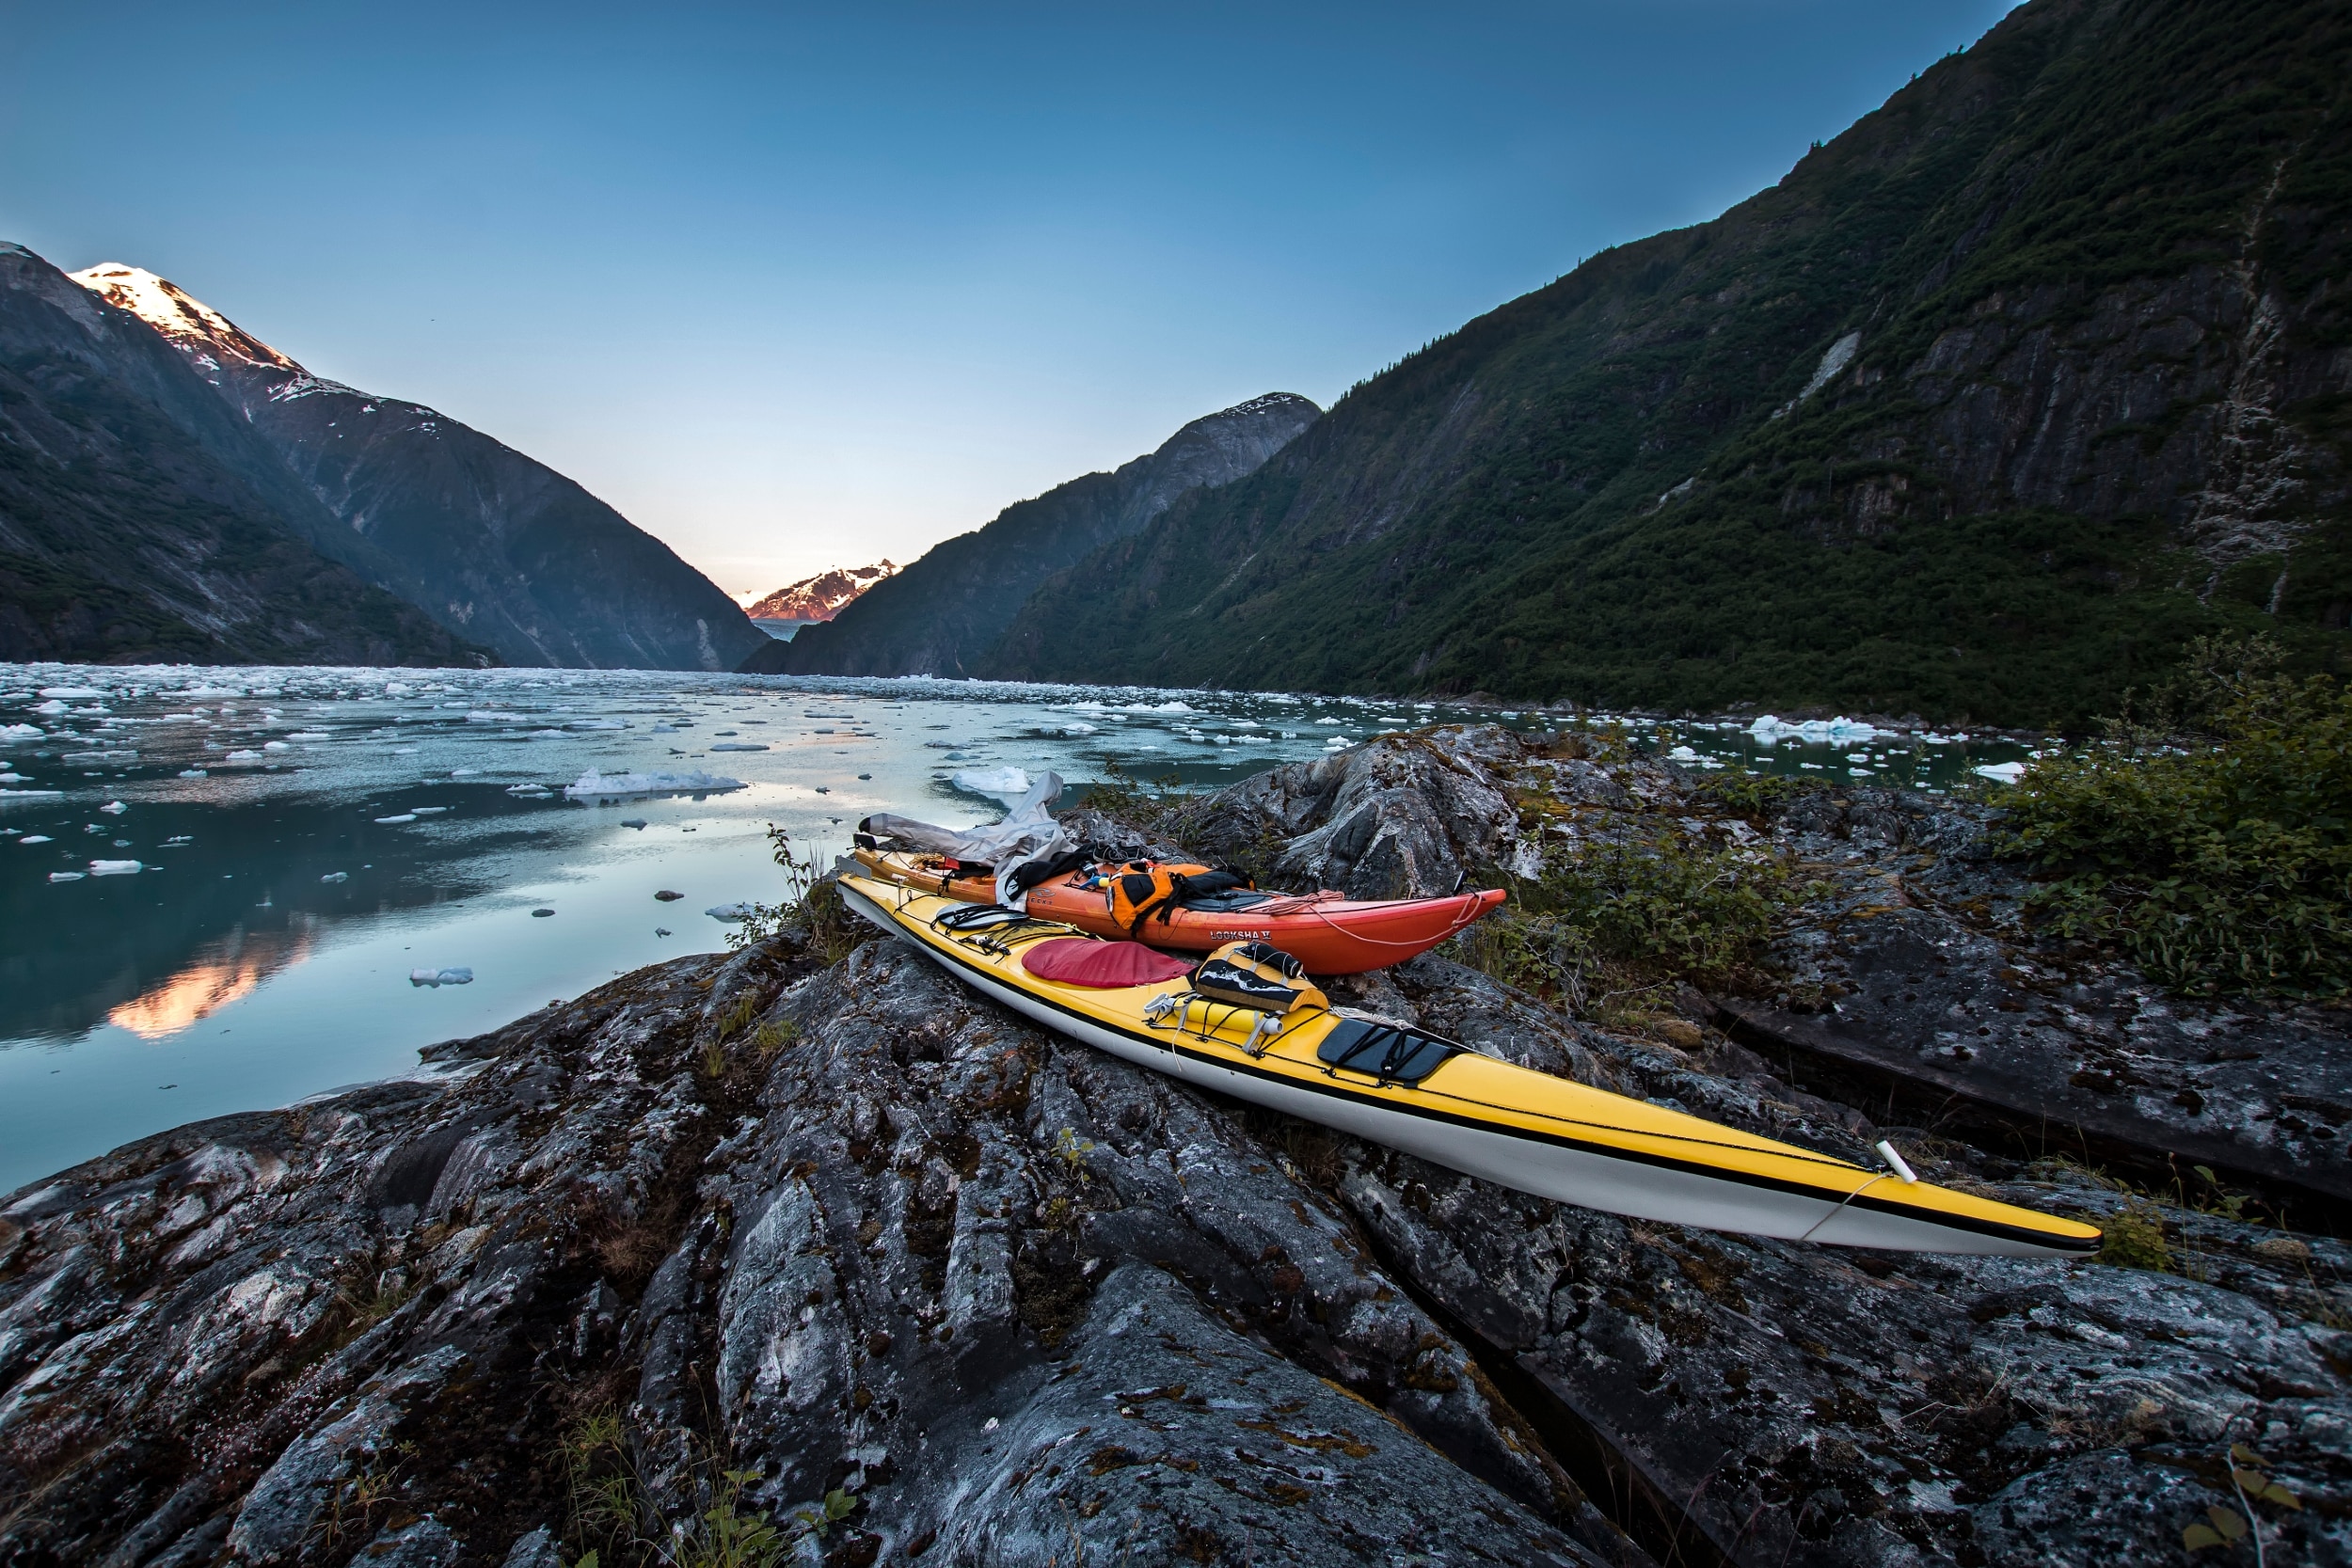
189 322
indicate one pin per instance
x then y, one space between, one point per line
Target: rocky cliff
140 520
942 614
499 548
1985 408
810 1256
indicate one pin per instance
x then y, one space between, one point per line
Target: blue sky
795 286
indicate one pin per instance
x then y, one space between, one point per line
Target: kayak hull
1328 934
1606 1152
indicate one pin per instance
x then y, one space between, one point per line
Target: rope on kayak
1461 921
1841 1205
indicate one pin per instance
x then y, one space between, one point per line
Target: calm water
262 950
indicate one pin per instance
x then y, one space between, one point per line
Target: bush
1602 928
2209 838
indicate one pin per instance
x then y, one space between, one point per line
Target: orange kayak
1326 932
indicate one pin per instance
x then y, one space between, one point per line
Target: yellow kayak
1433 1098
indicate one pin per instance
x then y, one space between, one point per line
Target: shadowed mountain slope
140 521
499 549
2038 371
944 613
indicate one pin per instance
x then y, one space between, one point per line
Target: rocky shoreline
833 1262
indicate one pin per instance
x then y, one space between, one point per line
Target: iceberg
732 911
592 784
403 817
1007 784
78 693
8 796
20 731
114 808
2000 773
440 978
336 876
65 876
116 868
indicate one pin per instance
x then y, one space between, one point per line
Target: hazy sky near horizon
795 286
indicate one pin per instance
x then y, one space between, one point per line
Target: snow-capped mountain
501 550
823 597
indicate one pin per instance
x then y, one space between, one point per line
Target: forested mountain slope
2034 373
942 614
495 546
141 521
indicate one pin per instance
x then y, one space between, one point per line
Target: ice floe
457 976
1006 783
732 911
2003 772
594 785
116 868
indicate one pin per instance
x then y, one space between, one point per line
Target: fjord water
307 839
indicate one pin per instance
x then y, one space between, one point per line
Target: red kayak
1330 933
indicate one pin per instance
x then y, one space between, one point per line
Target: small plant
2135 1240
1071 1150
811 907
2251 1481
613 1514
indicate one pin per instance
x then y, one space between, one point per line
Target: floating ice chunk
51 707
1328 720
665 729
336 876
463 772
403 817
600 724
310 735
11 778
592 784
396 688
38 838
732 911
545 735
398 751
114 808
77 693
489 716
1859 772
115 868
275 746
20 731
65 876
741 746
430 810
1338 743
1005 783
440 978
1683 754
1079 729
2001 772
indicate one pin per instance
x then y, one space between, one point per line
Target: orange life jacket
1140 889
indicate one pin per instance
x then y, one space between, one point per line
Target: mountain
142 521
944 614
1992 401
501 550
820 597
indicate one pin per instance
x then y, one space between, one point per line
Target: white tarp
1028 832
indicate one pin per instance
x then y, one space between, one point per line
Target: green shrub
1606 925
2209 838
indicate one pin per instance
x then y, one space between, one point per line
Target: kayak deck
1490 1118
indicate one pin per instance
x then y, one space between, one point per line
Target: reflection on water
226 969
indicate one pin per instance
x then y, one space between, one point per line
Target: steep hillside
2036 371
140 520
502 549
941 614
823 597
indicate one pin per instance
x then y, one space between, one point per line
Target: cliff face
140 520
2033 373
499 548
944 614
